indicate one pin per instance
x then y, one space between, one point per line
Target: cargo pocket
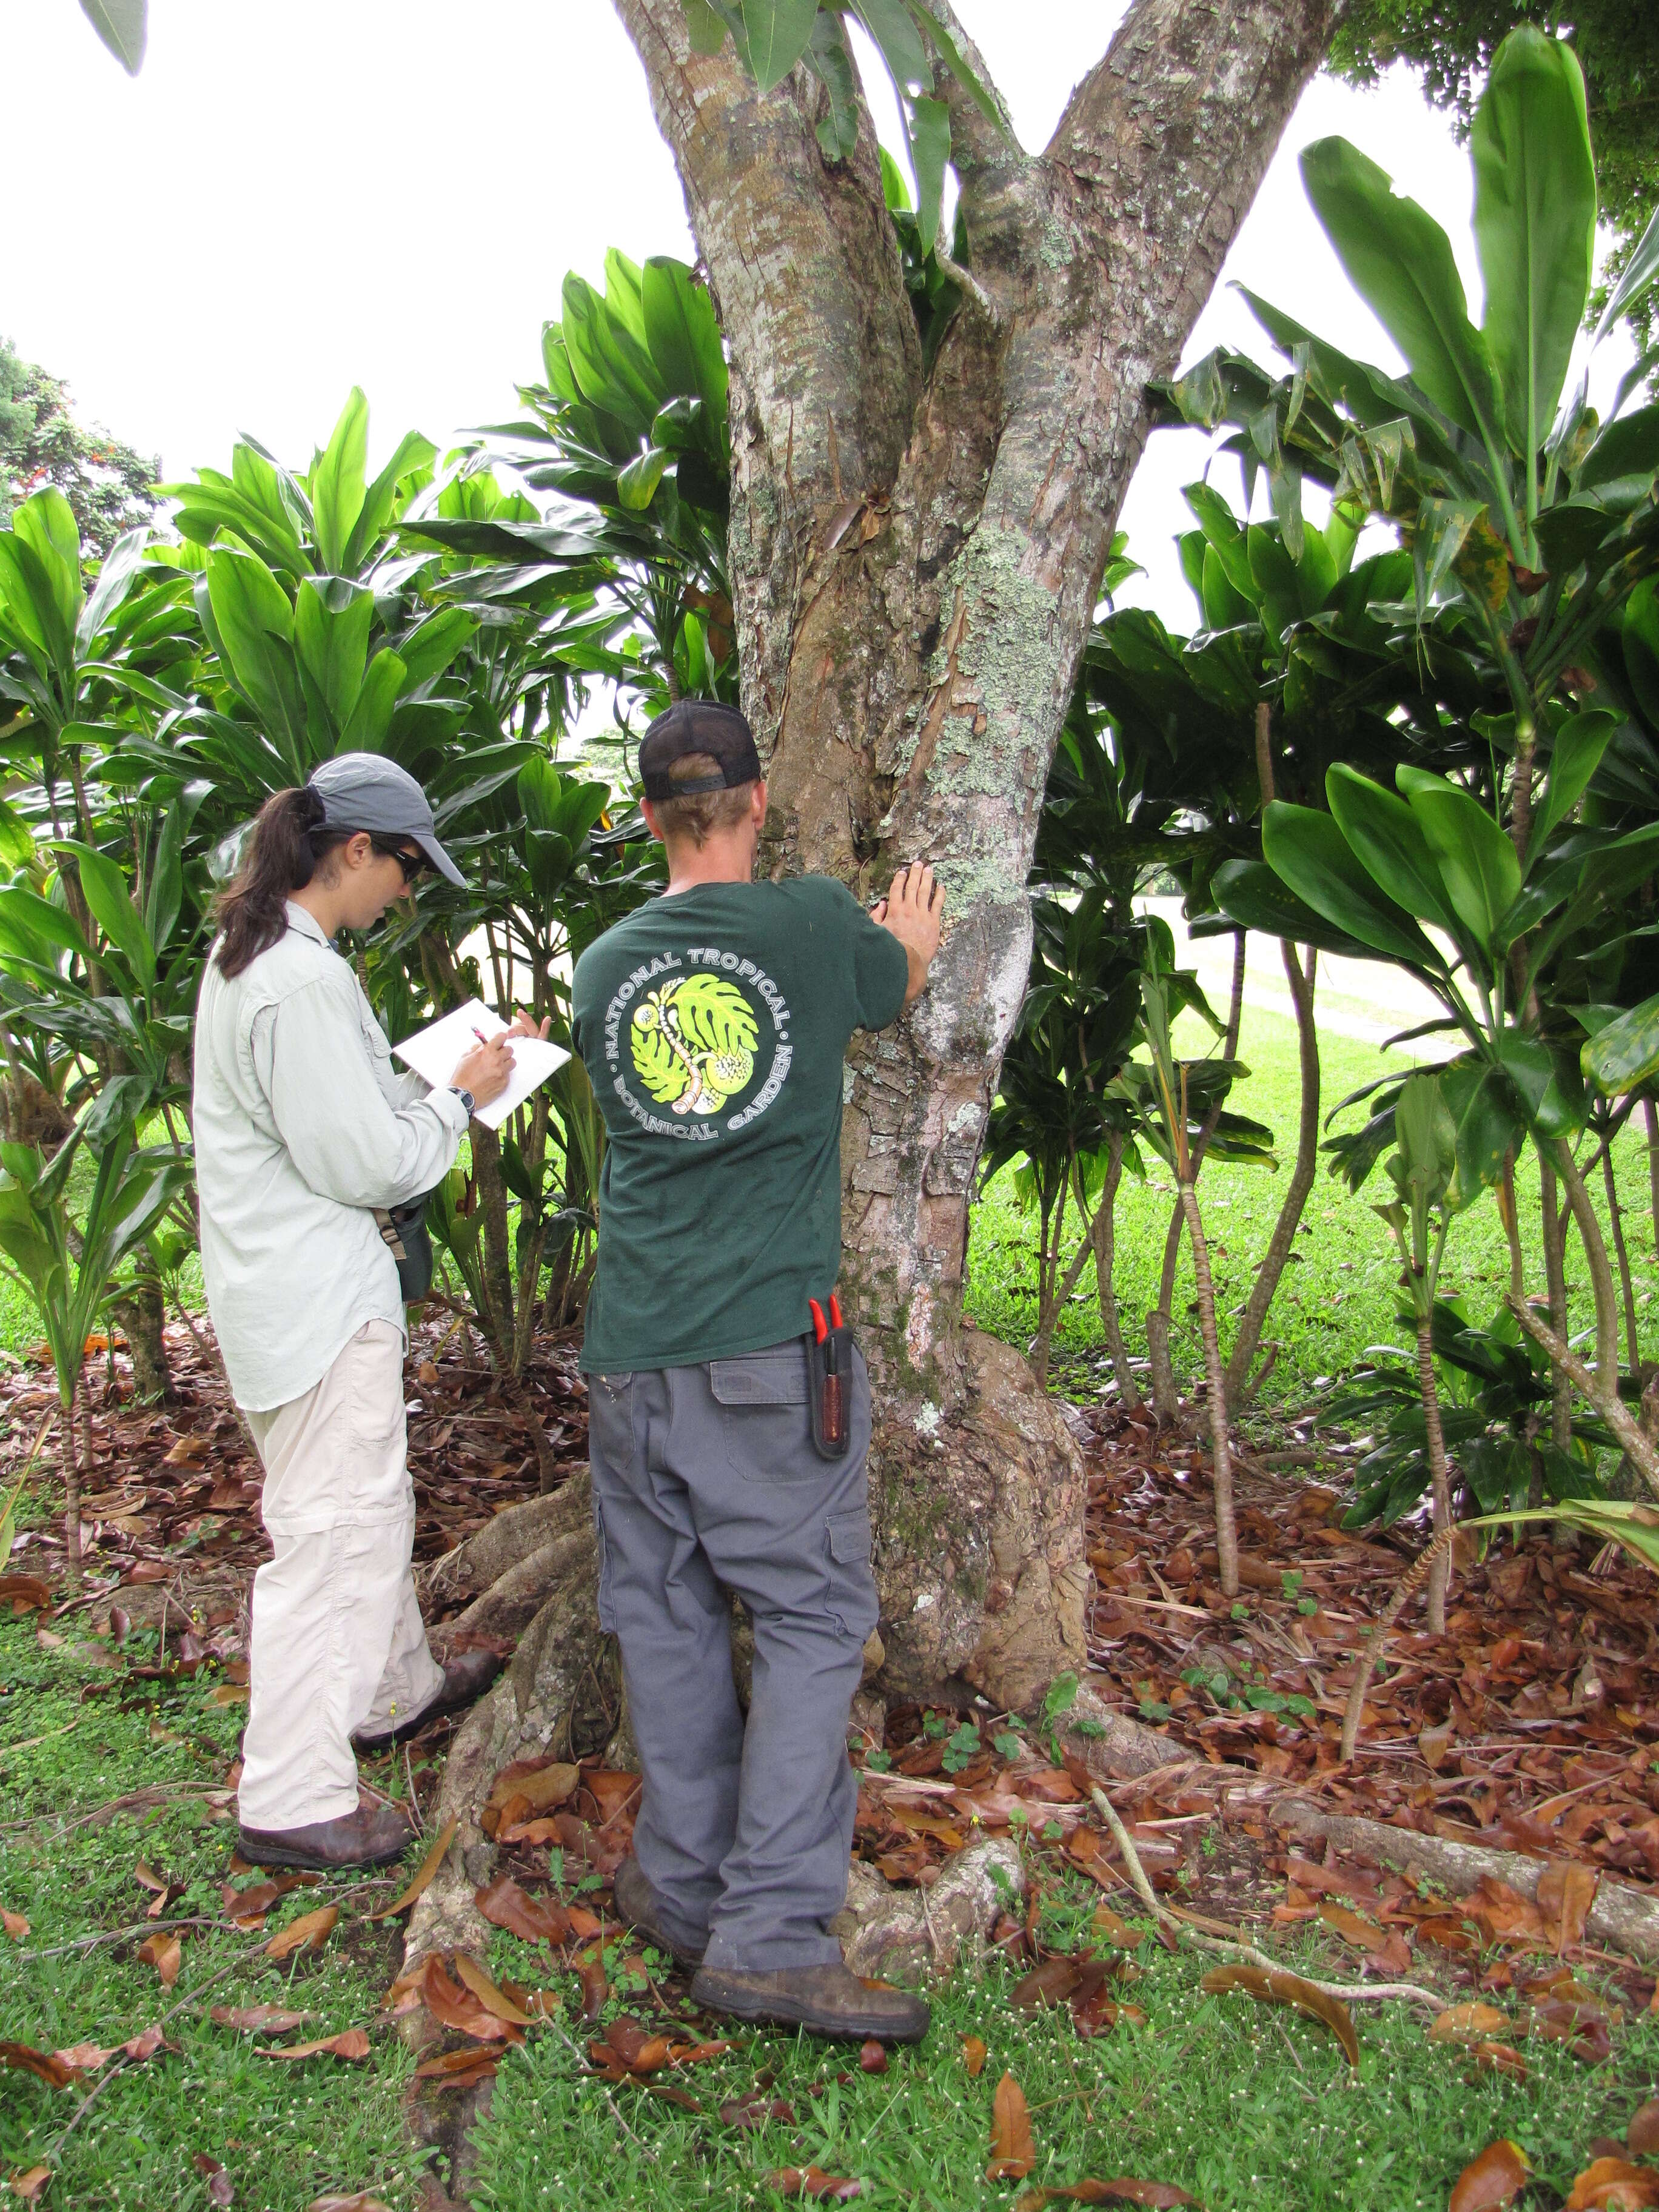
852 1585
763 1415
606 1604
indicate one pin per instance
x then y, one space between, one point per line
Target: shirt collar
306 923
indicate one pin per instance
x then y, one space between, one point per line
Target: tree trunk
1226 1533
141 1313
1439 1479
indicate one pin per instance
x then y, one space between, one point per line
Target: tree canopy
42 444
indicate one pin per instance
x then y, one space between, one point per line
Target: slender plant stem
1616 1221
1227 1531
1555 1282
1439 1480
1602 1390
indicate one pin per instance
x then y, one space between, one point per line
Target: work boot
373 1835
646 1913
465 1680
826 2000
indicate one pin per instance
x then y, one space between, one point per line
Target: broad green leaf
371 716
46 522
16 838
1625 1052
777 32
951 55
1547 1084
683 335
120 565
838 131
123 27
255 626
1639 636
1633 1525
338 482
1638 272
1401 262
1250 893
890 25
52 926
332 618
929 125
166 892
1574 758
1477 862
703 26
1389 841
637 484
1309 852
613 370
1534 222
413 458
104 887
432 645
1486 1124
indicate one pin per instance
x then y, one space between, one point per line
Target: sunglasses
409 864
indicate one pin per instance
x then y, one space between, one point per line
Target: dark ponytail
289 838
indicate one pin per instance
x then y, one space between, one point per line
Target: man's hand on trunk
914 910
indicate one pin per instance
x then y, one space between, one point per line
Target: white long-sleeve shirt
301 1129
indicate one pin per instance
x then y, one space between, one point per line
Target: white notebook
437 1052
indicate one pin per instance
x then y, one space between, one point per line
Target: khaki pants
337 1641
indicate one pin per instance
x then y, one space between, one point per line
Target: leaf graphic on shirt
694 1042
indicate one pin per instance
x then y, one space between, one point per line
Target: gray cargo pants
705 1481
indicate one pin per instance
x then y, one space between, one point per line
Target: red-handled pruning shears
819 1324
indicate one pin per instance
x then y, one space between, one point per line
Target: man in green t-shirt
714 1023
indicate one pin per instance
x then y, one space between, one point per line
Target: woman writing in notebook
302 1132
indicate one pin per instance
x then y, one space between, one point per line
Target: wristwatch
466 1099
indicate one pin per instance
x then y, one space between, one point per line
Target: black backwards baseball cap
697 726
366 791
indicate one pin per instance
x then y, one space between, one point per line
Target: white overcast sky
289 201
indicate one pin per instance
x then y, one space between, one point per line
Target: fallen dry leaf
1643 2133
163 1952
1468 2023
26 1594
353 2044
540 1787
756 2110
460 2070
1288 1990
1614 2184
144 2044
1013 2153
260 2020
83 2057
812 2181
22 2058
491 1998
423 1873
1566 1891
308 1933
364 2201
872 2057
1500 2058
1110 1926
1493 2180
454 2005
972 2057
30 2185
14 1924
504 1905
1050 1984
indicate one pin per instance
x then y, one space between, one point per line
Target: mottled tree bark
915 561
915 558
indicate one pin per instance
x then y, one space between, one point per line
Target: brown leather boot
825 2000
373 1835
647 1915
465 1680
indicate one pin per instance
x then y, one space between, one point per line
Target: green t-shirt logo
693 1043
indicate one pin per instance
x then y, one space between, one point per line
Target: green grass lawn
1338 1293
284 2132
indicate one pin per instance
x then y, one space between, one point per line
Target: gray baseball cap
366 791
